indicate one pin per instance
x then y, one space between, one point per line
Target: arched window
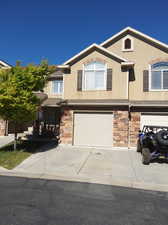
159 76
95 76
127 44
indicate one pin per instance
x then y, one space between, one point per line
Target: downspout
129 125
129 67
129 111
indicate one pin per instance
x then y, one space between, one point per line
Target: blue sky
56 30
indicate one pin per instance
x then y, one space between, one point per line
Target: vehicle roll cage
154 129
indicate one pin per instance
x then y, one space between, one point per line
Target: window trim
52 87
84 79
132 44
150 81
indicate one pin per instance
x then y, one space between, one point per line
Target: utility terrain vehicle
153 143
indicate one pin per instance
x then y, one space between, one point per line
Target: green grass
9 158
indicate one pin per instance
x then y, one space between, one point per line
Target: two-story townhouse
106 93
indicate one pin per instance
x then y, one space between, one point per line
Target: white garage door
154 120
93 129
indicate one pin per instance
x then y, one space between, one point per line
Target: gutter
147 105
97 104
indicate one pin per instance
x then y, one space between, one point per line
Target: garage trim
92 112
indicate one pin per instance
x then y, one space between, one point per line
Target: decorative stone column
66 127
120 129
134 128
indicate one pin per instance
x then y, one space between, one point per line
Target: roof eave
62 66
131 64
149 106
95 104
6 65
89 48
136 32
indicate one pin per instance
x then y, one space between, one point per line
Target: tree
18 102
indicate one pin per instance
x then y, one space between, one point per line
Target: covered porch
47 125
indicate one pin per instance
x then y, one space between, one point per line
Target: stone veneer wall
134 127
2 127
66 127
120 129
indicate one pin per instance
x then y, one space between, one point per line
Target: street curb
96 180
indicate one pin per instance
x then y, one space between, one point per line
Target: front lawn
9 158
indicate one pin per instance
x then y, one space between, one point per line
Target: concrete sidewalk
114 167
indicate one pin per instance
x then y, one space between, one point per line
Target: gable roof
129 29
93 46
4 64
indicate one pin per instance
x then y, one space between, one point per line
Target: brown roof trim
41 96
91 48
52 102
56 75
58 102
136 32
149 104
95 102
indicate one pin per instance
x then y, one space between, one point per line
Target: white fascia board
90 47
114 36
5 64
80 53
63 66
127 63
136 32
111 53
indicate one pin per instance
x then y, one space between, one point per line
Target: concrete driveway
117 167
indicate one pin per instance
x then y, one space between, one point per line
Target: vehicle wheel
139 149
162 137
146 156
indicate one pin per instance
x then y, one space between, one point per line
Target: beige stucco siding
119 80
143 55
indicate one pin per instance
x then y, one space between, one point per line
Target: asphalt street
26 201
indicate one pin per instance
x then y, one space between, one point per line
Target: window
94 76
159 76
127 43
57 86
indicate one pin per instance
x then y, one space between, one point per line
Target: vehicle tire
139 148
162 137
146 156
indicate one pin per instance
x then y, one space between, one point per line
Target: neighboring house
3 65
106 93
